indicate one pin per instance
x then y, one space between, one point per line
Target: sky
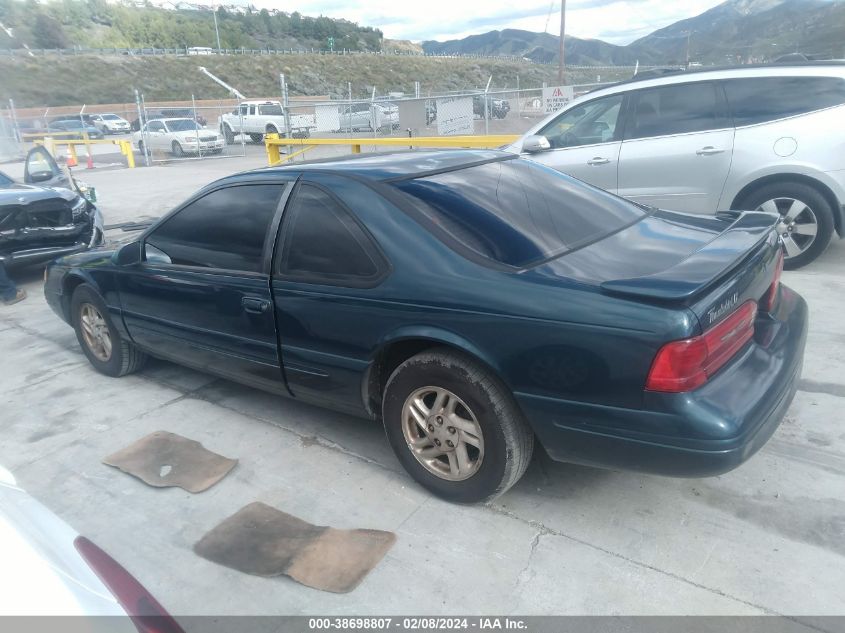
615 21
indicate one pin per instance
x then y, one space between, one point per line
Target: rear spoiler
704 267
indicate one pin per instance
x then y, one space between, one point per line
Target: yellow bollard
274 156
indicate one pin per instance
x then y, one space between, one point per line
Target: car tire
176 149
271 130
228 134
799 249
141 146
492 442
91 321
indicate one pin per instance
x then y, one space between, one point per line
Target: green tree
48 33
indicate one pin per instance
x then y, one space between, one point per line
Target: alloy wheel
95 332
442 433
798 225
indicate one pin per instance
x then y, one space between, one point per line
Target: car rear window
515 212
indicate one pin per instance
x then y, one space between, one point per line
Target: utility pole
561 61
688 36
216 30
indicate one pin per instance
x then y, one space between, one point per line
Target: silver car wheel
95 332
442 433
797 227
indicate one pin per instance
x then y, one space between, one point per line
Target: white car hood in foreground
42 573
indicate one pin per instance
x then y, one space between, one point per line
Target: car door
41 169
157 136
326 280
201 295
585 141
677 147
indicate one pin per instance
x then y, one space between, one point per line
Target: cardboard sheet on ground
261 540
163 459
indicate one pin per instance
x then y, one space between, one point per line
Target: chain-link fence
197 128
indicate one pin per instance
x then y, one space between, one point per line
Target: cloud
617 21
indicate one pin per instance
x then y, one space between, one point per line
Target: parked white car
50 570
369 117
177 136
110 124
754 137
257 118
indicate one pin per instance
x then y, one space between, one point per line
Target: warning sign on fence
556 97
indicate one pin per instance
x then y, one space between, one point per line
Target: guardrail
273 143
51 143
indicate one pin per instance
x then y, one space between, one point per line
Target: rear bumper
701 433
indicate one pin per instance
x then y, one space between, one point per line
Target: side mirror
535 143
40 176
128 254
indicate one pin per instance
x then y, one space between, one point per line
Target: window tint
155 126
679 109
323 243
516 212
224 229
759 99
592 122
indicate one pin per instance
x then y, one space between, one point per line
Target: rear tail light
772 293
146 613
687 364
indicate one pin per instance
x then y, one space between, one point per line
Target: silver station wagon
768 138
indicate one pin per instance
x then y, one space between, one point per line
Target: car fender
104 282
436 336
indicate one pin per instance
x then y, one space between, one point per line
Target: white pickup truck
257 118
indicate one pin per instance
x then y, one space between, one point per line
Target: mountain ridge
733 31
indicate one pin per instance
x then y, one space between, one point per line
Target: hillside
77 79
538 47
736 30
98 24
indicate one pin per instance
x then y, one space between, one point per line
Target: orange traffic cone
71 159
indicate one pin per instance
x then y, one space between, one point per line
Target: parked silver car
757 137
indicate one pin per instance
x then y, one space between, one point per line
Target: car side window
676 109
155 126
587 124
324 244
760 99
224 229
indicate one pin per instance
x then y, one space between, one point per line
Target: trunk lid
710 264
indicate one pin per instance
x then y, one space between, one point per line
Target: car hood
12 194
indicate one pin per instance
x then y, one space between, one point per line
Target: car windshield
182 125
5 180
110 117
516 212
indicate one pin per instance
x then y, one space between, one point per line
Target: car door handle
255 305
598 160
709 150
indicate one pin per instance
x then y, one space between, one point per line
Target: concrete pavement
766 538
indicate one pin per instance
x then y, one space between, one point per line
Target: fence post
285 105
142 127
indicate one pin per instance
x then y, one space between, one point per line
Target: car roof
395 165
705 73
